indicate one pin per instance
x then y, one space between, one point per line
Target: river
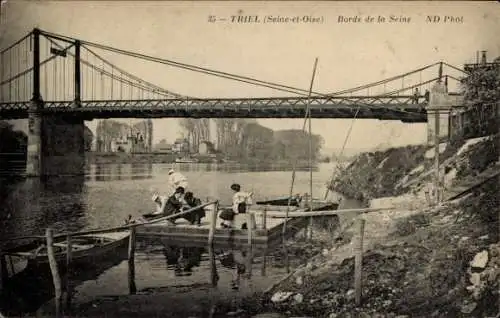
107 194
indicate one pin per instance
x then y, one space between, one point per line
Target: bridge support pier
63 151
34 162
55 145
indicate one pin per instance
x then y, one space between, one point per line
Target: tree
12 141
88 137
294 144
481 94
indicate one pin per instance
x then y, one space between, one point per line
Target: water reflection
25 291
113 172
34 204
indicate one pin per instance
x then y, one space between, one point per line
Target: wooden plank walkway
469 185
183 233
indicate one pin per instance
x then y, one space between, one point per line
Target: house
206 148
181 145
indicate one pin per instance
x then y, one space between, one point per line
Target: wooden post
54 270
264 219
69 251
250 232
214 277
264 263
131 261
213 224
436 157
358 262
250 228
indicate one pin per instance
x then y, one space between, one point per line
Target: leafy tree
481 94
88 137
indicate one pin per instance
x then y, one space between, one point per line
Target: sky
349 54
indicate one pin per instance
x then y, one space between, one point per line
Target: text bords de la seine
398 19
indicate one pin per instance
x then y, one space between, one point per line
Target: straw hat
171 171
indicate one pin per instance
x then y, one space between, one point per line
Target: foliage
88 137
12 141
245 139
294 143
482 86
197 130
482 93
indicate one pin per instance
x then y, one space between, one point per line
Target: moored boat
297 202
186 160
84 248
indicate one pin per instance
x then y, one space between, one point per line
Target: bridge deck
373 107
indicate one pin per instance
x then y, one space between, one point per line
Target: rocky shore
419 261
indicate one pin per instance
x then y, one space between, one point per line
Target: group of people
181 199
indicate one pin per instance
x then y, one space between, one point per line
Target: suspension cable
104 72
226 75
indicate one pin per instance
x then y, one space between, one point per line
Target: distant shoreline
169 158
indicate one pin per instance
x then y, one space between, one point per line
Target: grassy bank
419 261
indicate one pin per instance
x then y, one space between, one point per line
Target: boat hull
98 245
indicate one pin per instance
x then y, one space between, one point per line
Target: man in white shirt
176 179
241 200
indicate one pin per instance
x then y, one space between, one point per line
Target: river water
107 194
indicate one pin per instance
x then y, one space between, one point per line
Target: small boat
295 201
84 248
186 160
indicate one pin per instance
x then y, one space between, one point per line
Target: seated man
196 215
174 204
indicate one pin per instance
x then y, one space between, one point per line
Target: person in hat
174 204
241 200
177 179
192 202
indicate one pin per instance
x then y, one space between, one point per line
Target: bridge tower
55 142
439 108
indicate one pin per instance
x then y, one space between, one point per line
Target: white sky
349 54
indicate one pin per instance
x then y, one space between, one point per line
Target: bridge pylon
55 141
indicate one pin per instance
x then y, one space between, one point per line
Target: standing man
176 180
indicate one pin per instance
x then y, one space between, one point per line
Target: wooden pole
264 219
250 227
311 154
131 261
358 262
250 230
436 157
69 251
264 264
54 270
213 224
214 277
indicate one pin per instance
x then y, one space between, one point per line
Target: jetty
264 231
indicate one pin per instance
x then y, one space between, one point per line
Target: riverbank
418 261
169 158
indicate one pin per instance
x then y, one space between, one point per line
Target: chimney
483 57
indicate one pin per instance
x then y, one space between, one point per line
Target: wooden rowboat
318 205
85 248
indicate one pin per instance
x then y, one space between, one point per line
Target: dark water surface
107 194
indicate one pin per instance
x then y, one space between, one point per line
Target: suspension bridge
57 82
72 76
